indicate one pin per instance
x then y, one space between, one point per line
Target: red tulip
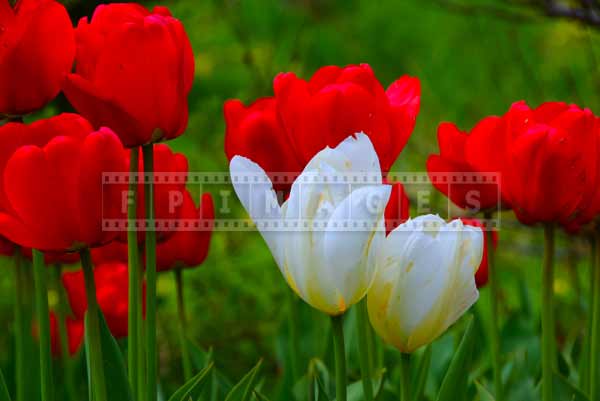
75 332
454 172
337 102
551 161
134 71
112 281
188 246
37 47
481 276
169 189
54 198
397 208
256 132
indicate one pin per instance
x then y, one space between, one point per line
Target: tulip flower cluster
547 162
127 71
338 240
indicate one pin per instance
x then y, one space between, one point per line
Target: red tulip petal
102 152
27 180
102 111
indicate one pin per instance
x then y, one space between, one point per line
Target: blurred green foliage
470 66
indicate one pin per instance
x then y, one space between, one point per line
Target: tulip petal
103 111
27 180
344 251
101 153
255 191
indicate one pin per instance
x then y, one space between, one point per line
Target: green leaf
192 389
379 386
422 373
115 374
455 381
4 395
321 392
355 390
565 390
260 397
484 394
243 390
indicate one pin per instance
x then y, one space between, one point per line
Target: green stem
133 346
495 312
141 339
595 345
548 359
43 315
337 324
372 348
151 362
61 314
364 355
20 291
293 320
185 354
405 377
98 383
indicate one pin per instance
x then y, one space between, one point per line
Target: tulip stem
133 344
337 323
595 343
293 320
141 339
185 354
364 355
63 333
92 328
43 315
494 307
404 377
151 370
548 359
20 332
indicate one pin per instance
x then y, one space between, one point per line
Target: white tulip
324 258
425 280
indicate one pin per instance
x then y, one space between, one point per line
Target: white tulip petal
258 198
345 252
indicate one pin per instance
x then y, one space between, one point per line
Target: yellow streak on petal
341 304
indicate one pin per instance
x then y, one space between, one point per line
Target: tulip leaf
380 386
115 374
321 392
4 395
88 364
192 389
565 390
484 394
422 373
355 391
455 381
242 391
260 397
